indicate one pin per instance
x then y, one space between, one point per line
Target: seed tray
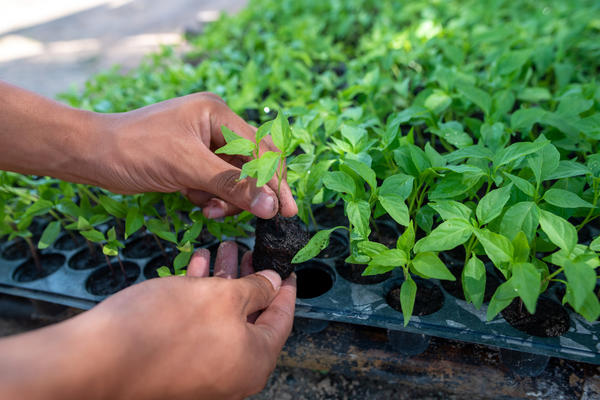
330 297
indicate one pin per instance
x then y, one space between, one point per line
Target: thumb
258 290
225 183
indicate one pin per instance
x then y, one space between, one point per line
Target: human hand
169 146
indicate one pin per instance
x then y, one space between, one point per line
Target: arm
168 338
165 147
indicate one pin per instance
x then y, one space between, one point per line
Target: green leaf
133 222
397 185
516 151
364 171
93 235
354 134
49 235
438 101
193 232
535 94
473 280
568 169
446 236
281 132
267 166
374 269
454 133
522 184
396 208
371 249
544 162
565 199
250 169
492 204
521 247
263 131
497 247
182 260
111 235
595 245
314 246
228 134
408 293
559 231
526 281
39 207
341 182
163 271
429 265
113 207
501 299
407 240
390 258
581 279
522 120
161 229
476 96
243 147
449 209
513 61
359 213
523 216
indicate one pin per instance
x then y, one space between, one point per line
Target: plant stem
112 270
34 254
121 266
161 247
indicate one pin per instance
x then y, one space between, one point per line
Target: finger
274 325
199 264
226 264
217 208
257 291
225 183
246 267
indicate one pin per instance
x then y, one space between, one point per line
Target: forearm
66 361
42 137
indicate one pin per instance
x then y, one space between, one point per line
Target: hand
168 338
170 146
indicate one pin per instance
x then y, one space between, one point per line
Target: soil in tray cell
331 216
550 318
103 281
16 250
67 242
314 279
429 298
157 262
142 247
338 247
384 234
353 273
28 271
83 259
277 242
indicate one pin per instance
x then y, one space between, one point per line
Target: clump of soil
429 298
277 242
338 247
16 251
68 242
550 318
105 281
353 273
83 259
28 271
314 279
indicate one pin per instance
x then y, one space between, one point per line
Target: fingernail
214 212
263 205
272 276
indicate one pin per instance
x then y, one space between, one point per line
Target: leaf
182 260
595 245
581 279
49 235
193 232
340 182
408 293
163 271
438 101
354 134
133 221
568 169
504 295
229 135
389 258
446 236
396 208
407 240
359 214
93 235
397 185
315 245
371 249
364 171
565 199
516 151
476 96
559 231
526 281
544 162
161 229
473 280
453 133
39 207
267 166
513 61
429 265
523 119
449 209
522 184
281 132
535 94
262 131
113 207
521 247
497 247
250 169
492 204
110 250
242 147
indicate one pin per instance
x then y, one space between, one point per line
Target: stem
469 247
121 266
161 247
112 270
34 254
312 217
89 194
589 217
552 275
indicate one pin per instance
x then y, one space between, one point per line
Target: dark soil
68 242
314 279
353 273
16 251
277 242
588 233
156 263
28 271
142 247
329 217
384 234
338 247
429 298
550 318
103 282
84 260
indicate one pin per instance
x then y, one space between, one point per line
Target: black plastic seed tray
323 294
